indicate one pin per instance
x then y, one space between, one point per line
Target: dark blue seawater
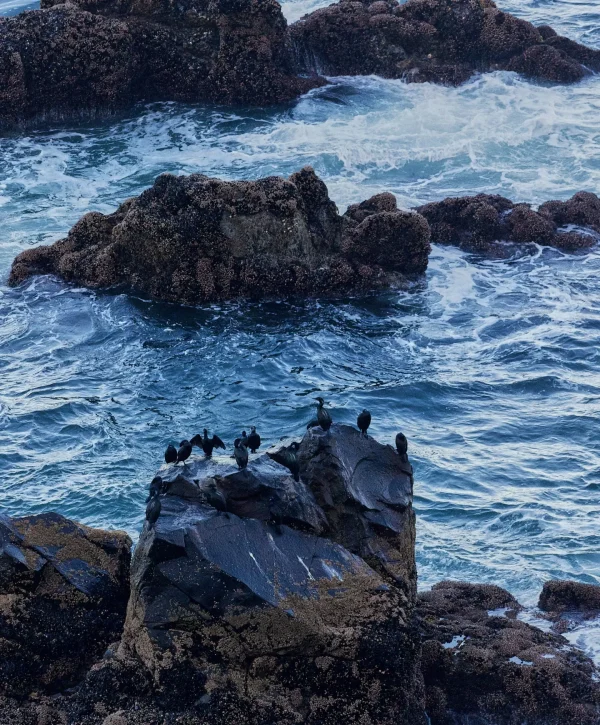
492 368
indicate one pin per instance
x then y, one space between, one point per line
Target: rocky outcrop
482 665
481 223
560 596
444 41
268 612
85 58
63 594
88 57
195 239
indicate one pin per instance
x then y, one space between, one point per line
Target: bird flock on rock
288 456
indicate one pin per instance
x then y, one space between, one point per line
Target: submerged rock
63 594
434 40
83 58
195 239
481 223
268 612
482 665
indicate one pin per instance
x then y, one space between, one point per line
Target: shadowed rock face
568 596
478 223
262 612
443 41
194 239
63 593
81 58
481 665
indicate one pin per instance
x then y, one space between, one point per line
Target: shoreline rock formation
194 239
443 41
85 58
296 605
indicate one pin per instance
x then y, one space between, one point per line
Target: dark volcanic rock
70 60
479 223
193 239
568 596
260 614
483 666
443 41
63 593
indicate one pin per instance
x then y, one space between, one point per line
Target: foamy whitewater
491 368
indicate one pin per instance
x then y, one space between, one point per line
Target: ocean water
491 368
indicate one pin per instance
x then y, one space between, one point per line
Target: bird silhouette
241 453
323 417
171 454
153 511
184 452
401 444
363 422
253 440
207 444
156 488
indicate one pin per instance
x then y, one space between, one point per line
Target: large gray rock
268 612
63 593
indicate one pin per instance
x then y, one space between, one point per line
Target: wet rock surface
569 596
481 223
63 594
444 41
482 665
196 239
84 58
267 611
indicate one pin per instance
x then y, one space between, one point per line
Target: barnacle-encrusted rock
193 239
444 41
482 665
479 223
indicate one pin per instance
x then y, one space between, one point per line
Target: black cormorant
184 452
241 453
245 438
153 511
289 458
363 422
171 454
253 440
156 488
401 444
215 498
207 444
323 417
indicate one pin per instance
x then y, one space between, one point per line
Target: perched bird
215 498
241 453
323 417
171 454
207 444
289 458
184 452
153 511
401 444
363 422
156 488
245 438
253 440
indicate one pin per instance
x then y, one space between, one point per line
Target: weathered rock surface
444 41
194 239
268 613
483 666
560 596
63 594
479 223
87 57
